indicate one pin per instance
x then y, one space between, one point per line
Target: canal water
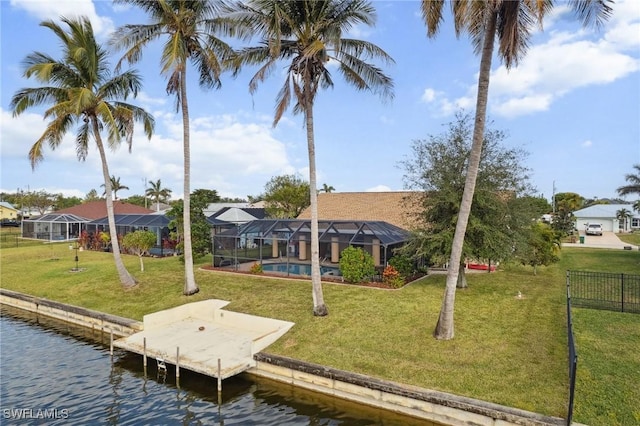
55 373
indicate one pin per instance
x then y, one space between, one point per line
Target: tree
40 200
92 195
565 203
157 193
286 196
327 189
623 215
63 202
541 248
83 93
136 200
188 26
636 206
115 186
501 207
510 23
633 182
200 229
207 196
308 34
139 242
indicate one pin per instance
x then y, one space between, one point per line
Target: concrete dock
196 335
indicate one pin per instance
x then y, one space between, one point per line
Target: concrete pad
204 333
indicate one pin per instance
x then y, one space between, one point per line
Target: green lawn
506 350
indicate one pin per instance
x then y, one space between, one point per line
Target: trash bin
581 239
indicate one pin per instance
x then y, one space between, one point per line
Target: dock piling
219 376
111 342
177 363
144 352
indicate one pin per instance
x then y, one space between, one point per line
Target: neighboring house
213 208
605 214
67 224
98 209
238 215
391 207
8 212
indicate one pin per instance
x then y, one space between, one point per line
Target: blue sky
573 103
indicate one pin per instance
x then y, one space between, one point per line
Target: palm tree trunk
125 277
444 328
319 308
190 286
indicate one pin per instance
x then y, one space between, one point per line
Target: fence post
622 291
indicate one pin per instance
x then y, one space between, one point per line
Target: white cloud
587 144
68 8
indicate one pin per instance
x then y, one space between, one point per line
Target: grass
506 350
633 238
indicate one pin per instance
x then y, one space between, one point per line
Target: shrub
356 264
256 268
392 277
402 264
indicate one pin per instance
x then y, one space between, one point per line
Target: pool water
299 269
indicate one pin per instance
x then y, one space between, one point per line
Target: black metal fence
573 354
602 290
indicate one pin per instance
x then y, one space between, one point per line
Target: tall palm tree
115 186
188 27
633 183
157 193
308 34
510 23
82 93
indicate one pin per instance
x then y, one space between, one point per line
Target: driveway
606 240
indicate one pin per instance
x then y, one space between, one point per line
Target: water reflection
53 365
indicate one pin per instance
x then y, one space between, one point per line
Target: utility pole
553 199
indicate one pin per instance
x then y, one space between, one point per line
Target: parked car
9 223
593 229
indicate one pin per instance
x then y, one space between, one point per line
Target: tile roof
391 207
98 209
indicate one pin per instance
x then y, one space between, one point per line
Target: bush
256 268
402 264
392 277
356 264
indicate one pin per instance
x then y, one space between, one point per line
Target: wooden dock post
111 342
144 352
177 363
219 376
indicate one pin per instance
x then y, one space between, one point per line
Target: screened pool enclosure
289 240
53 227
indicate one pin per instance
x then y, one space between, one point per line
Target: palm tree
623 215
510 23
157 193
327 189
115 186
308 34
82 93
187 26
636 206
633 183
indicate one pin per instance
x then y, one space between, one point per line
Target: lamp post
75 247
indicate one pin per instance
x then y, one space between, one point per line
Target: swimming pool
299 269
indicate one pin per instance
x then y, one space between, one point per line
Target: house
98 209
67 224
393 207
8 212
606 215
